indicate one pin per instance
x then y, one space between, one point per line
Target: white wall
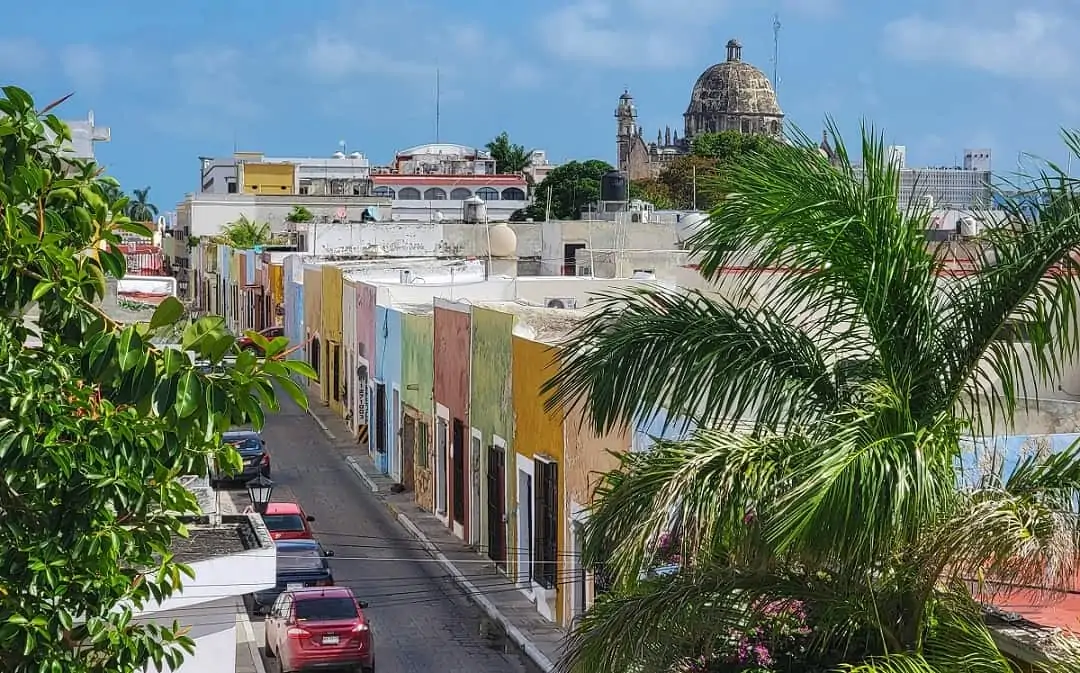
531 289
424 211
240 573
213 628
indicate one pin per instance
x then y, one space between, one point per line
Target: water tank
356 155
338 155
502 241
688 225
968 226
613 187
473 210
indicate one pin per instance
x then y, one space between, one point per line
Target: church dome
733 88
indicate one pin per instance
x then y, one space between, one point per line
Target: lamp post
259 490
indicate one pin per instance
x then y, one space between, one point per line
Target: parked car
252 449
287 521
246 343
300 563
319 628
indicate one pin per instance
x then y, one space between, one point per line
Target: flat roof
208 542
549 324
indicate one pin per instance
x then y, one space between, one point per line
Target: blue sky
180 80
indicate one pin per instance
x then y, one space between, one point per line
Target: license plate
294 586
330 640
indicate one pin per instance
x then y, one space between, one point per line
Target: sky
177 81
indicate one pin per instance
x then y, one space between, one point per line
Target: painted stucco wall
294 320
213 628
366 353
491 407
388 369
348 340
331 335
538 432
313 322
587 456
418 383
451 352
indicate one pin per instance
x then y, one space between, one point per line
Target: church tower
626 122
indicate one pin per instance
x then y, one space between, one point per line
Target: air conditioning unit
560 302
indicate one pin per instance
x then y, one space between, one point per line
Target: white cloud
1023 44
20 55
84 65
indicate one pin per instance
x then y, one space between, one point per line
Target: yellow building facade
539 466
268 178
332 374
313 324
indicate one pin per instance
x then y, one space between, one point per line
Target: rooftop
548 325
207 542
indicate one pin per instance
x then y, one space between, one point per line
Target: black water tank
613 186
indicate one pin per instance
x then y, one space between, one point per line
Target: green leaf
300 367
188 394
137 228
41 289
168 312
131 351
293 389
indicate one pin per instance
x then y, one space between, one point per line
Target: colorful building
386 422
452 442
312 324
491 415
418 378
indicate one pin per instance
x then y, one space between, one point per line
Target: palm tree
509 157
245 234
832 403
140 209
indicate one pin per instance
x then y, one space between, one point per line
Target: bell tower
627 130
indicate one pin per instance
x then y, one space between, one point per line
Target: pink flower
749 517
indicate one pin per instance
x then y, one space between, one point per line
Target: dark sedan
252 449
300 563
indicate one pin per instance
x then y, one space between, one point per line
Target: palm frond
958 639
709 360
1020 535
654 624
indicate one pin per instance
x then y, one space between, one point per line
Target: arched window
408 194
435 194
384 192
460 194
488 194
513 194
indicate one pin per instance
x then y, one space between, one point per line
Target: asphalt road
422 622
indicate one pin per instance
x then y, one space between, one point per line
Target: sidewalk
539 640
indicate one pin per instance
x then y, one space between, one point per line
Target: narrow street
421 620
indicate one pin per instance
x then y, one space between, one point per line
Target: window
488 194
422 444
384 192
435 194
230 187
380 417
513 194
409 194
460 194
335 372
545 558
326 609
284 522
314 356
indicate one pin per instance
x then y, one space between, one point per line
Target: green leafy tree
571 186
509 157
690 182
300 214
97 423
653 191
728 145
831 407
139 207
245 234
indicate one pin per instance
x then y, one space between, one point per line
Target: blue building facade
388 373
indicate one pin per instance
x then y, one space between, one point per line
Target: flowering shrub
774 642
667 550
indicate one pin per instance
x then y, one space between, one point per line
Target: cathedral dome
731 90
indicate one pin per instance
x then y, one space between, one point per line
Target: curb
355 467
249 636
471 591
319 422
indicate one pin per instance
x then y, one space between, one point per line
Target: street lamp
259 490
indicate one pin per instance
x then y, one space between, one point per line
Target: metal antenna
776 52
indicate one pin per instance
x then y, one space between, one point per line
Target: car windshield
300 559
326 609
245 444
280 522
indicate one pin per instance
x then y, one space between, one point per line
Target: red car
319 628
287 521
246 344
